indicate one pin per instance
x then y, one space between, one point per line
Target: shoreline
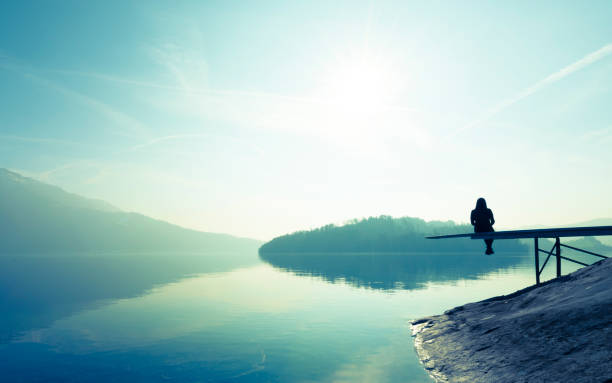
558 331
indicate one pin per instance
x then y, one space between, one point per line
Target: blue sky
261 118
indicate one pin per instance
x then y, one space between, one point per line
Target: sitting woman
482 220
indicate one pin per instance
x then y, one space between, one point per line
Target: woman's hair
481 204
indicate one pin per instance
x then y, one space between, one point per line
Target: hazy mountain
39 218
607 240
383 234
592 244
604 240
595 222
28 188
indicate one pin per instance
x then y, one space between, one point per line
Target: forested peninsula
383 234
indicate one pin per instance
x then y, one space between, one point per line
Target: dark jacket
482 219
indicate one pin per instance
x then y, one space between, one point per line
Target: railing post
537 259
558 246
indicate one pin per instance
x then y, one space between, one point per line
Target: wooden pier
536 234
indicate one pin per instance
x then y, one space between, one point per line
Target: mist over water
232 318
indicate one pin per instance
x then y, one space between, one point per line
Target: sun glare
360 84
357 93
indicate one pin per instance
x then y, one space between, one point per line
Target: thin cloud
212 92
177 137
127 122
260 110
601 135
312 116
115 79
132 125
168 138
45 176
40 140
568 70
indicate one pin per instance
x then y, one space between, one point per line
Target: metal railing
556 251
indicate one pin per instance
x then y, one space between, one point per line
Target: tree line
383 234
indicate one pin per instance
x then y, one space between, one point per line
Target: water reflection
255 324
251 324
393 271
35 291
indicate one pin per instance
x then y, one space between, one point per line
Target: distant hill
383 234
605 241
592 244
595 222
39 218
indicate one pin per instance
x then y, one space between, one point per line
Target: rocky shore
560 331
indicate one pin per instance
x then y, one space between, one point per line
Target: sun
355 99
359 83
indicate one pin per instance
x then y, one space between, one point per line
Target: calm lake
233 318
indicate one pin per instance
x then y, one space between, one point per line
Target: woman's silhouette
482 219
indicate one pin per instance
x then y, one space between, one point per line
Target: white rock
560 331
